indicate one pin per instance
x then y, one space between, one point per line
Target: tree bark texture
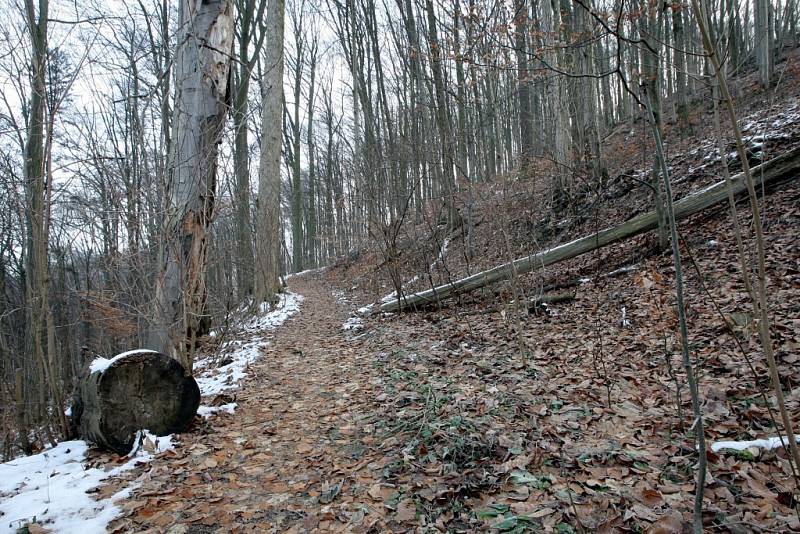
268 233
523 83
202 68
774 169
143 390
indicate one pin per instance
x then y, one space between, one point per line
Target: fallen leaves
480 420
406 511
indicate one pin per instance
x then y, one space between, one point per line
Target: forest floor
478 417
294 456
488 414
483 415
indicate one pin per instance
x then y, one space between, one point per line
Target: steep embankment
578 414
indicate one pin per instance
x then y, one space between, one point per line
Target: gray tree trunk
268 229
311 208
241 153
294 154
763 40
448 177
678 53
202 76
523 84
651 74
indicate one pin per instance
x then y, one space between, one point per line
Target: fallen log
136 390
768 171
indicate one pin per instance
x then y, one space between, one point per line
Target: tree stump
136 390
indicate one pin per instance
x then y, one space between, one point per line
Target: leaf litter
468 419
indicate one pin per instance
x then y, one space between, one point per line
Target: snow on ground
208 411
353 323
340 296
766 444
213 379
307 271
50 487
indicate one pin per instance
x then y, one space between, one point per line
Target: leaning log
769 171
136 390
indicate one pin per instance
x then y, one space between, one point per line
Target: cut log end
143 390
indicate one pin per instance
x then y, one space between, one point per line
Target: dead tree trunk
134 391
771 170
202 68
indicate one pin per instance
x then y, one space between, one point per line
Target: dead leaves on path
483 418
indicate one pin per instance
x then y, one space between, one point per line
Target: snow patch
353 323
51 487
766 444
340 296
213 380
208 411
307 271
288 305
625 321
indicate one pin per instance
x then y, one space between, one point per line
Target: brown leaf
406 511
668 524
375 492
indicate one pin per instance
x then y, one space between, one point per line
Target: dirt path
288 460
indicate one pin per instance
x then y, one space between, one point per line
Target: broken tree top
135 390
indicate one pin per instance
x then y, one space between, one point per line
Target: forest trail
286 460
472 418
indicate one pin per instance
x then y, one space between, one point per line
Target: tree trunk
442 120
762 40
523 85
268 232
311 211
678 53
249 17
296 132
143 390
202 80
774 169
651 75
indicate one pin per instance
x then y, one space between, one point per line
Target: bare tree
268 240
202 70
